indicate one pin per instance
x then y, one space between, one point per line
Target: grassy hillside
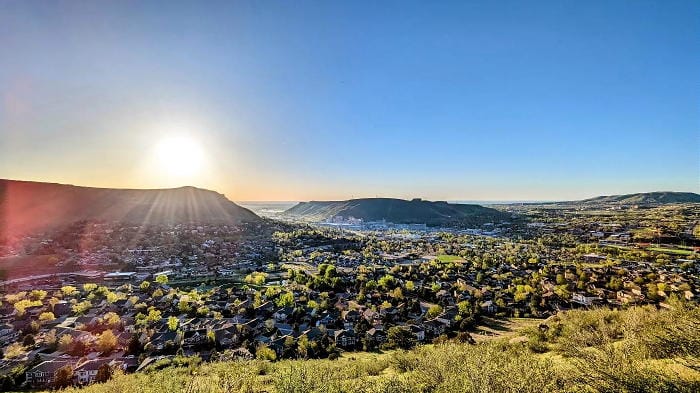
659 197
398 211
638 350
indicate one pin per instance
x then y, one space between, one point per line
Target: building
44 374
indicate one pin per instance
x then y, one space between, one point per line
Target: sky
313 100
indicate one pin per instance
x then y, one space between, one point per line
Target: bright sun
179 157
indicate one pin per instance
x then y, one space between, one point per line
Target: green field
449 258
673 251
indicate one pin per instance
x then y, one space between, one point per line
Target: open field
449 258
674 251
504 328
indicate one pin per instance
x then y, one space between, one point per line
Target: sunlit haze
331 100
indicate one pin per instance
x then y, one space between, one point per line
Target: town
117 297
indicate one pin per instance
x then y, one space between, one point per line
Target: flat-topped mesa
397 211
27 207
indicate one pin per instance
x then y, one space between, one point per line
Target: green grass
674 251
449 258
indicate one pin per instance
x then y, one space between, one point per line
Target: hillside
398 211
640 349
646 198
27 207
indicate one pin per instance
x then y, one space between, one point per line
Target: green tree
285 299
265 353
173 322
399 337
433 311
107 342
64 377
104 373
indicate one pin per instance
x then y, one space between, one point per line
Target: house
345 338
489 307
282 314
434 327
86 372
44 374
162 340
62 308
625 297
195 337
8 335
376 336
584 300
351 315
418 332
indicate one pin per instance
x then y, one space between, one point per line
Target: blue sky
302 100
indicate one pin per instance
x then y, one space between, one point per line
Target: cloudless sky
299 100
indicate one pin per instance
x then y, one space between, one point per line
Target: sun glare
179 157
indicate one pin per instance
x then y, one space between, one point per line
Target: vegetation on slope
398 211
658 197
637 350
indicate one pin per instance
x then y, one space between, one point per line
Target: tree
172 323
433 311
265 353
256 278
134 346
145 285
184 306
303 347
153 315
560 279
464 308
330 272
46 316
202 311
50 338
409 285
64 377
37 294
111 319
13 350
400 337
65 342
285 299
69 290
104 373
107 342
162 279
28 340
53 302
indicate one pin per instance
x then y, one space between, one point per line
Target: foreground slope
27 207
637 350
398 211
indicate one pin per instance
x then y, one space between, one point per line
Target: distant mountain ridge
398 211
34 206
644 198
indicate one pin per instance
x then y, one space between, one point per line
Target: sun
179 157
